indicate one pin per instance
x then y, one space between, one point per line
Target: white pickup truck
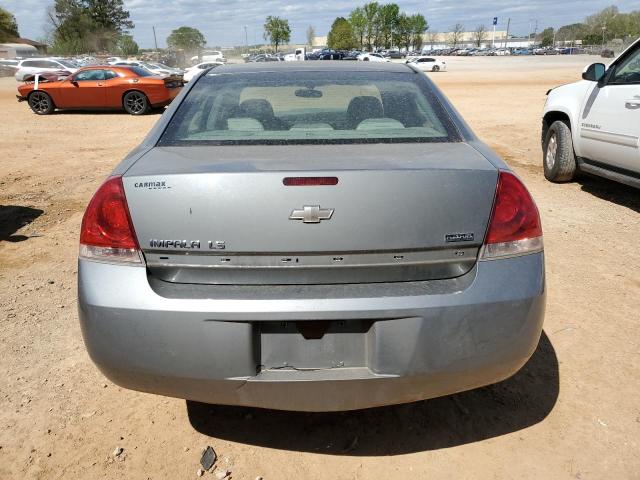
593 126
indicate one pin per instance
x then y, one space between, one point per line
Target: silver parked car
311 236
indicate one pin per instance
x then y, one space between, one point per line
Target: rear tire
559 159
135 103
435 68
41 103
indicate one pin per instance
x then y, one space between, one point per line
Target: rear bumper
426 339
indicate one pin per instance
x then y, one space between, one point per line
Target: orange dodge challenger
133 89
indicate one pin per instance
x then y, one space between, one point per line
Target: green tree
388 23
419 25
358 23
341 35
607 24
88 25
546 37
127 45
277 31
72 28
573 32
110 21
186 38
109 14
403 32
371 11
8 26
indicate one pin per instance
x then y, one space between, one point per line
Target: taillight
107 233
515 227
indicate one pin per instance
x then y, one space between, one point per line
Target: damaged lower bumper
316 347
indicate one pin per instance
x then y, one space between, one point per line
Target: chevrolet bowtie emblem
311 214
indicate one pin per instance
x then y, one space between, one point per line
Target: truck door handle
632 103
102 85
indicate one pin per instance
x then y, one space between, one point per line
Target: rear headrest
257 108
364 107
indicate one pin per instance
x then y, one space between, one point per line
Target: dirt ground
571 412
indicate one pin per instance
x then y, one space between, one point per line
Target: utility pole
535 31
155 40
246 39
506 40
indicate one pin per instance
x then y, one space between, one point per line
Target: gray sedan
311 236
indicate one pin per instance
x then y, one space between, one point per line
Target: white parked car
210 56
593 125
114 60
196 69
31 66
154 68
429 64
372 57
502 52
9 63
162 69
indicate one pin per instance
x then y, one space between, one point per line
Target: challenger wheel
559 158
135 103
41 102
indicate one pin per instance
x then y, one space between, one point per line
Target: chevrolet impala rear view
311 236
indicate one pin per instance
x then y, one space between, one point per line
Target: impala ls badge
311 214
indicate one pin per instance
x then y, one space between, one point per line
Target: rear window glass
141 72
309 107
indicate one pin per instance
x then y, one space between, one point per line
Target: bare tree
432 37
311 35
479 35
456 34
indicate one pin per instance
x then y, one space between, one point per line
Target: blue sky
222 22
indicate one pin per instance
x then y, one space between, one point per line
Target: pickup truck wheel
559 158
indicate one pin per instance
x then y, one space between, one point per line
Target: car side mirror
74 83
594 72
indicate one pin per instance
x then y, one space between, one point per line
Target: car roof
317 66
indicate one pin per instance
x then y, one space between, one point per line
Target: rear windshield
141 72
292 107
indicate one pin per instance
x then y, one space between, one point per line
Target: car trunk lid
225 214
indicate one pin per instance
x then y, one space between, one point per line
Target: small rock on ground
222 474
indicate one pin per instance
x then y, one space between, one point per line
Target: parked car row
30 66
479 52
